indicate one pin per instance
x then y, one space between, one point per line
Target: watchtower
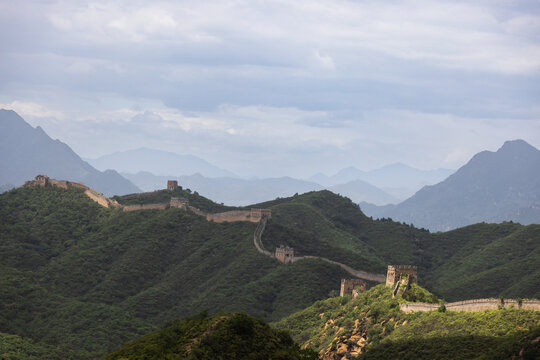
42 180
172 185
395 271
285 254
352 287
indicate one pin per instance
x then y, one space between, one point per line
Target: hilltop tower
285 254
41 180
172 185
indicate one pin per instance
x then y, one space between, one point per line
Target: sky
275 88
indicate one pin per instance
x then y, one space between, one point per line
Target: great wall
43 180
474 305
400 277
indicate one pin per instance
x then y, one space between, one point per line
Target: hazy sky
271 88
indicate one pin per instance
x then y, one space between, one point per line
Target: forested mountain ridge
102 276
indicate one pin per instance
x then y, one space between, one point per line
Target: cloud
29 109
266 86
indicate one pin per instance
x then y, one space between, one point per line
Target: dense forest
78 280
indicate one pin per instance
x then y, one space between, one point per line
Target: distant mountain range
491 187
241 192
26 152
159 163
398 180
227 190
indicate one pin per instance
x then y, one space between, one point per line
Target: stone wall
43 180
194 210
145 207
180 203
414 307
258 214
474 305
101 199
230 216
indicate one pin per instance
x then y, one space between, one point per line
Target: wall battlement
145 207
180 203
474 305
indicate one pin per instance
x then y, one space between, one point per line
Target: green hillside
373 327
86 279
223 336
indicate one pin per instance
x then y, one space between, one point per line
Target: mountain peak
517 145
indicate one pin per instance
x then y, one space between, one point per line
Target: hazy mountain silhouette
240 192
359 190
398 180
158 162
26 151
492 187
230 191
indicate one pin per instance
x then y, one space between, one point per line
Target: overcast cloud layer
271 88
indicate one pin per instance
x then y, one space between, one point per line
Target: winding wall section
257 241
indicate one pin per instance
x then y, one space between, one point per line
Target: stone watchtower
395 271
41 180
172 185
285 254
352 287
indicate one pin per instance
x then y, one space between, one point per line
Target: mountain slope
26 152
372 326
86 279
492 187
359 190
158 162
223 336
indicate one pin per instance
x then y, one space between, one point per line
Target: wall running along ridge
473 305
257 240
42 180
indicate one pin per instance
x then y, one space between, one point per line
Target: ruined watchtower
352 287
172 185
285 254
396 271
